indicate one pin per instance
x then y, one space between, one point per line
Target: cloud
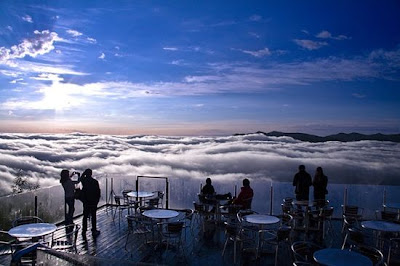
27 18
42 43
309 44
327 35
91 40
170 48
102 56
255 35
255 18
42 157
74 33
259 53
358 95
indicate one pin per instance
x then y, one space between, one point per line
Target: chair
160 196
200 214
231 212
384 215
233 234
138 225
129 201
372 253
173 232
303 251
120 207
153 203
282 236
26 220
354 237
6 242
248 230
188 220
393 257
324 221
352 213
64 238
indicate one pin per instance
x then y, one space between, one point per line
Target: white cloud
91 40
255 18
27 18
42 43
309 44
74 33
359 95
102 56
170 48
259 53
256 156
327 35
255 35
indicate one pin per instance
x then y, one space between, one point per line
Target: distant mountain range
343 137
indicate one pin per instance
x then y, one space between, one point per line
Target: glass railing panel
367 197
183 191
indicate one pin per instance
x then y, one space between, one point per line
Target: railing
180 193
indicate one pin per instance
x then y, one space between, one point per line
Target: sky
39 158
199 67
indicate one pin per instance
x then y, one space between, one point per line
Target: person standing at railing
320 183
69 192
302 181
91 197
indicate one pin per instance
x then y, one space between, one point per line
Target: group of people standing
89 195
302 181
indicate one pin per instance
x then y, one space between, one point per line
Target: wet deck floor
199 248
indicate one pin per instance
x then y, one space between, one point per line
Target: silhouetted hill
344 137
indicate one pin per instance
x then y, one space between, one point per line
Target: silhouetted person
245 196
320 183
69 194
208 189
90 199
302 182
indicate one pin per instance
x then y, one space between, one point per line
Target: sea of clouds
40 157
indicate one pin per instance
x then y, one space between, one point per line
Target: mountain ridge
342 137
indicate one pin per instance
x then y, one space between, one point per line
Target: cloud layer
42 157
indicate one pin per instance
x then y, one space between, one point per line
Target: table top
32 230
140 194
393 205
381 226
339 257
261 219
160 213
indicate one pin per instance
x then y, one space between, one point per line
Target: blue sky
199 67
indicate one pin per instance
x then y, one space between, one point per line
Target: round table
261 219
32 230
383 226
140 194
160 214
339 257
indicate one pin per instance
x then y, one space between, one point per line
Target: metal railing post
271 199
36 206
167 194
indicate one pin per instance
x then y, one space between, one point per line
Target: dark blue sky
199 67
